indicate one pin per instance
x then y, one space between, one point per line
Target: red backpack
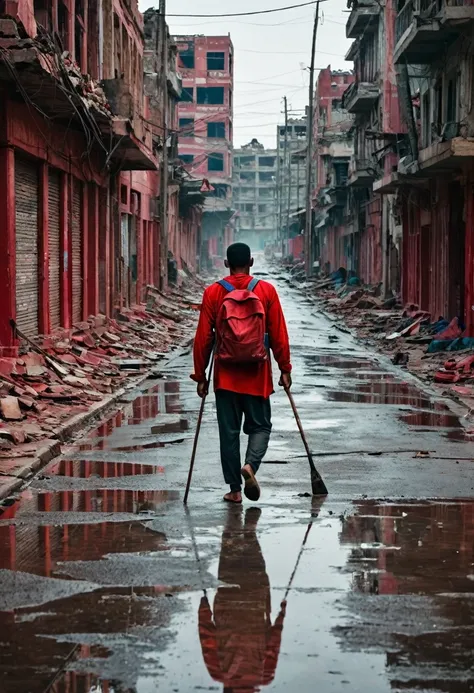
240 326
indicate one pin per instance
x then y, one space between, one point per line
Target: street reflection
239 644
418 558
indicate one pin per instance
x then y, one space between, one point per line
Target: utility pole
164 166
308 238
287 163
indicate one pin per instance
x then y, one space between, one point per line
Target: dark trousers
232 407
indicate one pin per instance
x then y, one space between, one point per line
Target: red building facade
332 156
80 154
206 130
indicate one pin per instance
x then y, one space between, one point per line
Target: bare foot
233 497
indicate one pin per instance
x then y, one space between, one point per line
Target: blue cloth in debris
458 344
439 326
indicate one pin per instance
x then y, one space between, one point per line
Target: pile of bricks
63 375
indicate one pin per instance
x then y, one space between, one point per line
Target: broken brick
75 381
34 370
31 359
7 366
10 409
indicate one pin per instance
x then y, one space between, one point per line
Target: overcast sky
272 53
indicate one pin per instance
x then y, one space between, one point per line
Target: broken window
210 95
220 190
266 177
300 130
451 105
43 13
216 130
79 31
187 95
426 119
186 158
186 127
215 162
438 106
336 104
341 170
63 26
216 61
247 176
266 161
186 58
247 162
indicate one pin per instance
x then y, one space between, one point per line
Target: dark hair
238 255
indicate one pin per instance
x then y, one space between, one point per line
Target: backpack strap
227 285
253 284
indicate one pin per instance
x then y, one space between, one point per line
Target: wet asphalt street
108 585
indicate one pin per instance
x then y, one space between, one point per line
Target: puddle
389 392
383 578
431 420
336 361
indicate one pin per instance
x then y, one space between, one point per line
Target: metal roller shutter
54 241
26 235
76 250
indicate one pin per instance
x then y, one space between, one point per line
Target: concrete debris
10 409
411 337
78 368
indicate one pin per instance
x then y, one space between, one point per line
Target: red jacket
255 379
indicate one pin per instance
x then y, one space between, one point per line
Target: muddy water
108 586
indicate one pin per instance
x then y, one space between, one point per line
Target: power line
248 14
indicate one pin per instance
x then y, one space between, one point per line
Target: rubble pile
57 377
426 347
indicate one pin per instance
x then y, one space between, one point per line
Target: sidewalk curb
64 433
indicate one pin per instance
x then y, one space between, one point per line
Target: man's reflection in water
239 644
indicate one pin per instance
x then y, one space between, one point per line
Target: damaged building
333 154
410 176
255 173
379 140
81 163
206 132
291 179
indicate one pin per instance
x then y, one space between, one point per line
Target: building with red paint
379 140
435 181
81 144
206 130
332 155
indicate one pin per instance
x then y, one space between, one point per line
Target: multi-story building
435 180
80 153
333 150
206 129
254 194
379 139
291 158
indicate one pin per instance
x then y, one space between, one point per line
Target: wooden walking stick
196 437
317 484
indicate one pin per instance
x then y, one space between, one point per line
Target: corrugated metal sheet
76 250
54 243
26 230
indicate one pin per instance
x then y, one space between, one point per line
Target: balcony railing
428 9
404 21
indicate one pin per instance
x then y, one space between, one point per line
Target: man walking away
241 318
